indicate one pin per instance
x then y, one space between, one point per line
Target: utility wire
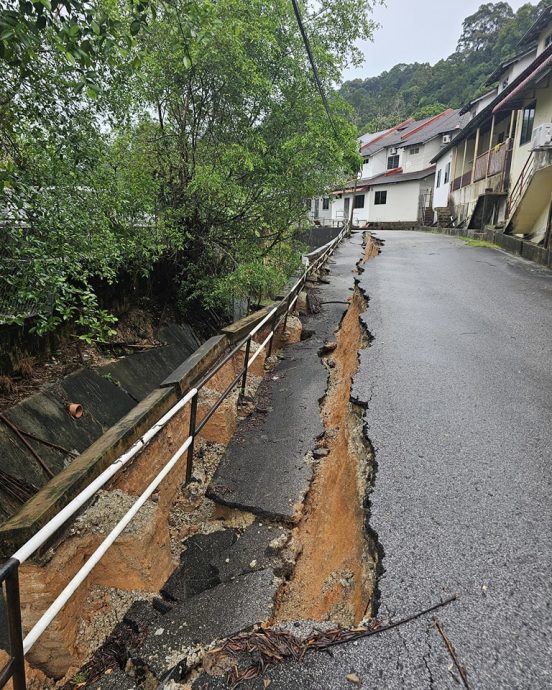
313 65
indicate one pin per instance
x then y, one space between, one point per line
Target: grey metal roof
417 132
385 178
448 123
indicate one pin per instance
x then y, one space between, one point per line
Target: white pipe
52 611
43 534
262 323
260 349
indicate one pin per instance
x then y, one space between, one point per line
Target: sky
415 31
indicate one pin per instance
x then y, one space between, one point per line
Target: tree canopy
175 140
488 37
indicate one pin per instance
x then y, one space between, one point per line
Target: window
447 173
366 159
325 204
381 198
500 138
548 41
393 162
438 179
414 150
359 201
528 118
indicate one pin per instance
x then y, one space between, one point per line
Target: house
395 185
501 160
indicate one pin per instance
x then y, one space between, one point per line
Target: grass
472 242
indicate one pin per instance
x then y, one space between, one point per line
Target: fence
9 571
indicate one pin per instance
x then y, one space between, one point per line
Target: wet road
460 389
459 385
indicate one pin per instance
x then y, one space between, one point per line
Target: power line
313 65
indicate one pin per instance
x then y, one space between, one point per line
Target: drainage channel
334 575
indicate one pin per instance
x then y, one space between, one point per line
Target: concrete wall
401 206
543 114
318 212
376 165
421 160
441 193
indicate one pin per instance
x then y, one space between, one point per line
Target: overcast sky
415 31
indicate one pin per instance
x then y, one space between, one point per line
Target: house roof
400 177
495 76
413 132
389 177
517 97
488 110
447 123
544 18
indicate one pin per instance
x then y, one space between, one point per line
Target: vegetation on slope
489 36
166 144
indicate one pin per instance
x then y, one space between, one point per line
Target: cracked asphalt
458 379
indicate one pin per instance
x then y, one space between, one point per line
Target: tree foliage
488 37
171 138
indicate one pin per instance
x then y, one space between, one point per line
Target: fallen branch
384 628
452 652
24 441
272 646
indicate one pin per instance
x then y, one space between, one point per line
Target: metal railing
9 572
520 186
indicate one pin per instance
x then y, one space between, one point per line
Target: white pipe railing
64 596
53 525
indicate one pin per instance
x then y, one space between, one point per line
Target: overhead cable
313 65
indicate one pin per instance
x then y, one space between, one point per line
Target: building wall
543 114
401 206
376 165
422 160
542 39
516 69
441 193
318 212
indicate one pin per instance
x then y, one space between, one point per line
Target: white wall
376 165
441 193
543 114
515 69
318 212
401 206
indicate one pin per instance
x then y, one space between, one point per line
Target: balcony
495 161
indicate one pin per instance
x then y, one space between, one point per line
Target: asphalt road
460 388
459 385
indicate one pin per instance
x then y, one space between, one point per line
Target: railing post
192 431
13 605
287 312
246 364
273 329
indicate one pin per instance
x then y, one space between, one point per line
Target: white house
501 161
396 182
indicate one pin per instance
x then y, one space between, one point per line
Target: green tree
189 152
480 30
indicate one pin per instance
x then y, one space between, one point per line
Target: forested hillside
488 37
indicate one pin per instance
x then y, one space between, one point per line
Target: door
316 208
346 205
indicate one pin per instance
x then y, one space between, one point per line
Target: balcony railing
495 161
